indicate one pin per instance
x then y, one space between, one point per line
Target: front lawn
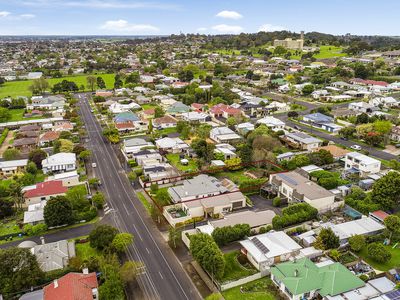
394 262
9 227
175 160
234 269
148 106
144 201
261 289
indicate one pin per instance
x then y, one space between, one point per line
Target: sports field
21 88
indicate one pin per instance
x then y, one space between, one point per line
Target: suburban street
163 276
334 138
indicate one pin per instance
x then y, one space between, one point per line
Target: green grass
21 88
9 228
85 252
18 114
174 159
233 269
167 130
144 201
236 176
5 183
329 52
255 290
394 262
148 106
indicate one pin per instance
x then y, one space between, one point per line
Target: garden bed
261 289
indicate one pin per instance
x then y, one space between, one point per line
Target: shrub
379 253
357 242
277 202
265 229
227 234
294 214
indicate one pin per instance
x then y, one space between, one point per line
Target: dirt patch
6 142
198 282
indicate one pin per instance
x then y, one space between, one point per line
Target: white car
355 147
94 165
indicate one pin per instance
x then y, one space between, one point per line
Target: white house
134 145
195 117
271 122
296 188
366 165
172 145
362 107
34 214
267 249
302 141
223 135
117 108
12 167
59 162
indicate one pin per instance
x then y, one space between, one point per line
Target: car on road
355 147
94 165
344 138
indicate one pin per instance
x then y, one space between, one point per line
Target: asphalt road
334 138
163 276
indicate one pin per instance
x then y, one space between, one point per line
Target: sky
163 17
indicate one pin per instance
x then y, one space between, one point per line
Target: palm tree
17 195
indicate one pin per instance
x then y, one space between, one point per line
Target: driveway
261 203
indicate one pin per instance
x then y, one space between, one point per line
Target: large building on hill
289 43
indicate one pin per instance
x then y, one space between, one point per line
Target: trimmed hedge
294 214
227 234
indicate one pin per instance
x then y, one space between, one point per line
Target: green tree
347 132
19 270
174 236
58 211
307 89
122 241
158 112
335 254
392 224
31 168
378 252
357 242
100 83
17 195
11 154
163 197
132 176
91 82
85 154
37 156
77 197
385 191
102 236
39 86
98 200
327 239
5 115
129 271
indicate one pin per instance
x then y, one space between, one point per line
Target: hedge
3 136
227 234
293 214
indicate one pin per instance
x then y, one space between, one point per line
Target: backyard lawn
167 130
394 262
174 159
237 177
21 88
148 106
255 290
234 270
18 114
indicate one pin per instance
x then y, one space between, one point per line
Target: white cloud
27 16
4 14
201 29
270 27
126 27
223 28
229 14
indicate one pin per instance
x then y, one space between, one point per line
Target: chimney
42 240
55 283
302 35
85 271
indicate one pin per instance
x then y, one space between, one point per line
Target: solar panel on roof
393 295
260 245
288 179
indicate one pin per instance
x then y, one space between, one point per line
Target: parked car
94 165
344 138
355 147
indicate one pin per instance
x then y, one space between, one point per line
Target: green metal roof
303 275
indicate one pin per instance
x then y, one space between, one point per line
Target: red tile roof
150 111
73 286
165 120
369 82
47 188
124 125
220 108
50 136
380 214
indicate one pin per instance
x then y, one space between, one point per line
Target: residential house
301 141
25 144
166 121
387 102
68 179
224 135
117 108
148 157
48 137
59 162
29 128
295 188
244 128
227 150
255 219
225 111
47 102
363 164
199 107
12 167
302 279
255 110
273 123
63 126
362 107
43 191
267 249
177 108
53 256
337 152
195 117
125 127
130 121
148 113
35 213
322 121
73 286
134 145
171 145
395 133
